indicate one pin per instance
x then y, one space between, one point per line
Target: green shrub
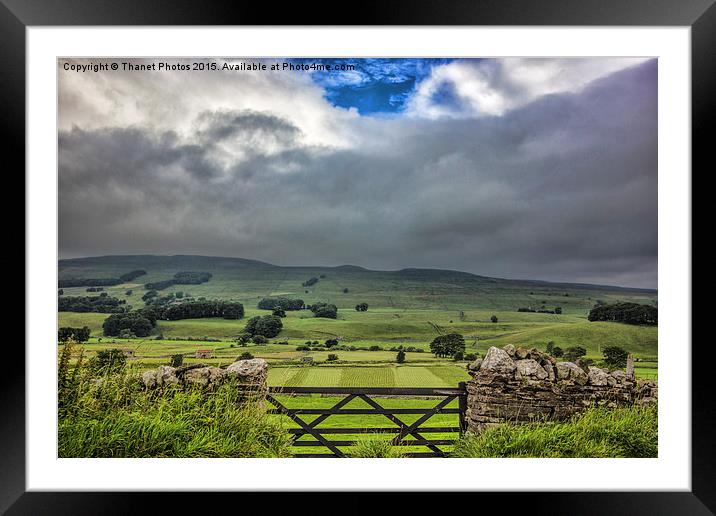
245 356
622 432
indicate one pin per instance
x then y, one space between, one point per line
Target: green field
407 308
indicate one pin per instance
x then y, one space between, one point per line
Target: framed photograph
421 249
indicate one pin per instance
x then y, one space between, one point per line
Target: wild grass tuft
623 432
375 449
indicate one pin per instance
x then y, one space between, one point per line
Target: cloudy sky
516 168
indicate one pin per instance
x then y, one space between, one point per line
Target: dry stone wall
250 374
521 385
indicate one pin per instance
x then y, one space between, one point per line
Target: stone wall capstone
523 385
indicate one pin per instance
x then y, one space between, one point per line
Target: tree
362 307
345 290
493 319
259 339
615 357
324 310
137 323
557 352
400 357
128 292
245 356
447 345
279 312
60 292
471 357
267 325
331 343
558 310
550 348
243 338
77 334
458 356
574 353
332 357
176 360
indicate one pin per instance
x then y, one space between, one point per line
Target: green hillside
407 307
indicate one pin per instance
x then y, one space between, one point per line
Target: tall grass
111 416
375 449
623 432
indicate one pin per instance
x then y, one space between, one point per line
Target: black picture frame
700 15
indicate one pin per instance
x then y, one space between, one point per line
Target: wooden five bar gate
402 430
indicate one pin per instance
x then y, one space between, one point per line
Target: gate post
462 406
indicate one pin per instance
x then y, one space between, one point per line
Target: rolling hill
250 280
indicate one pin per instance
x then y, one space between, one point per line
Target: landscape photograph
357 257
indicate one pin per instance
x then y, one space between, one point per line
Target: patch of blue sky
372 86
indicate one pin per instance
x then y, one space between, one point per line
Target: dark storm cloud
564 189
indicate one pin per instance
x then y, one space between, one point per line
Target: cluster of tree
138 323
362 307
150 295
266 325
101 282
629 313
279 312
326 310
543 310
159 285
95 289
180 278
77 334
245 356
271 303
493 319
409 349
191 277
309 282
198 310
100 304
332 357
447 345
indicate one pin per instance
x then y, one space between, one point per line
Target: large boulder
204 376
522 353
549 369
253 371
598 376
530 368
571 372
149 379
166 375
497 361
509 349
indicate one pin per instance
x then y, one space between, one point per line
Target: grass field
406 308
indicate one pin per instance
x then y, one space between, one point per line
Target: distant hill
250 280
